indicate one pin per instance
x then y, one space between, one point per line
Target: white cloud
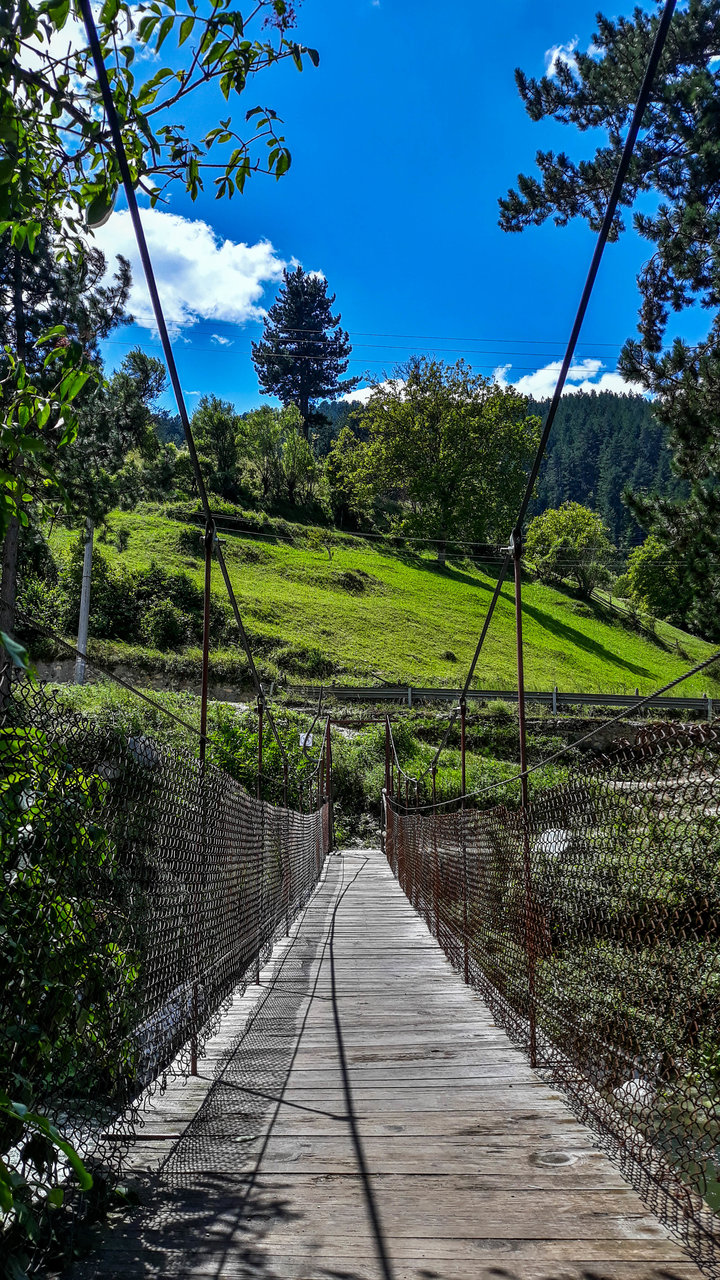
200 276
220 341
560 53
582 376
363 394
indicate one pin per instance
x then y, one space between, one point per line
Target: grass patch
378 612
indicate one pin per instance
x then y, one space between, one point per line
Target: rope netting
140 890
589 923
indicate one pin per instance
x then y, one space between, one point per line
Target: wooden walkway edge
371 1122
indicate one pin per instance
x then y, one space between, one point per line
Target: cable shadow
209 1210
580 641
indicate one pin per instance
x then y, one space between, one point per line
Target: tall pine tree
303 353
677 157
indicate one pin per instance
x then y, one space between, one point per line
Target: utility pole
82 638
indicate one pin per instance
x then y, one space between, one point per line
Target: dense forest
603 443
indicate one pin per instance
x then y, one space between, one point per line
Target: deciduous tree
570 543
453 446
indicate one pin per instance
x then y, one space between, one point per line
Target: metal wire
140 890
589 922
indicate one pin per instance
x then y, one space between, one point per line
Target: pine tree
677 158
303 352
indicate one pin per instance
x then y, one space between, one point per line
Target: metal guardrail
553 698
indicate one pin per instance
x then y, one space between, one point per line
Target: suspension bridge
489 1049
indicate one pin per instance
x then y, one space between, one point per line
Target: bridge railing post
529 912
209 542
466 940
329 787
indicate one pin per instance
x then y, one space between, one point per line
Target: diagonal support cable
603 235
119 147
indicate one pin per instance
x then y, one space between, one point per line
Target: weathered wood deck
441 1155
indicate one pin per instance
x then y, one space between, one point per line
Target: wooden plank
475 1166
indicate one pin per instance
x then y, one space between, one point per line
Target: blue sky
402 141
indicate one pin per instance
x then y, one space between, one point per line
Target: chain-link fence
590 925
140 889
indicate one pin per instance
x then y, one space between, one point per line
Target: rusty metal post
436 869
463 710
516 547
329 787
260 748
387 754
209 541
261 860
463 788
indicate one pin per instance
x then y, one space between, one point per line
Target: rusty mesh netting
138 893
590 925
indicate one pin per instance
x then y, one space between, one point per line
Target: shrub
304 659
164 626
43 603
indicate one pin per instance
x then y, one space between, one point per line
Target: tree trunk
82 639
304 407
9 576
8 582
442 552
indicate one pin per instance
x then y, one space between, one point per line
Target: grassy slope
411 614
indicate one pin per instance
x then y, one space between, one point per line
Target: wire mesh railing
589 922
140 890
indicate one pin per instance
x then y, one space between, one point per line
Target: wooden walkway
365 1118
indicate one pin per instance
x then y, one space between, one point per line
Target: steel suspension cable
603 235
148 270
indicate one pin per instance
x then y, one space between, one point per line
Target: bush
164 626
43 603
303 659
657 581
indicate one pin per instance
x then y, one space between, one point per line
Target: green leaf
19 657
56 1195
166 27
314 56
186 27
109 11
100 208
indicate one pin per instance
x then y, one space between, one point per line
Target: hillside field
375 612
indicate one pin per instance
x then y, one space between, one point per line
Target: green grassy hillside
373 611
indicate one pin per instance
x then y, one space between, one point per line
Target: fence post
709 706
554 701
516 546
409 695
463 788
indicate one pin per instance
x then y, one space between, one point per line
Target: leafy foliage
570 543
453 445
61 171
